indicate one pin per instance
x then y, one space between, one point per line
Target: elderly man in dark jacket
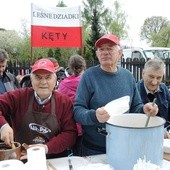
8 81
151 87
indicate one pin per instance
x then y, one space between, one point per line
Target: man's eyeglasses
109 49
40 78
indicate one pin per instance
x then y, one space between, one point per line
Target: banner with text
56 27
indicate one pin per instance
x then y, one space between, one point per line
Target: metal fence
19 68
134 65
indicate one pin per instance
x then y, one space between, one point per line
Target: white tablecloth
62 163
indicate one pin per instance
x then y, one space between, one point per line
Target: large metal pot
128 140
6 152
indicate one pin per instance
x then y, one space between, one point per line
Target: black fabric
59 155
89 145
77 147
152 96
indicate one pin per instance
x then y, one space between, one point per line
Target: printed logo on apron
39 128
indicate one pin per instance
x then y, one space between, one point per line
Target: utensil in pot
13 145
147 121
25 146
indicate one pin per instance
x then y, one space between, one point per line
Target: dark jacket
10 82
163 99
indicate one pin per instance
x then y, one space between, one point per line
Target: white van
158 51
146 53
166 54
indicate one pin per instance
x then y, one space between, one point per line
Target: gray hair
3 55
155 63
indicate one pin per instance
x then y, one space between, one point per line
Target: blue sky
12 12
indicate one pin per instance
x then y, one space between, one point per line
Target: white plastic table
62 163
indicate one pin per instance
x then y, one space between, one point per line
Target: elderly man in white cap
40 115
98 86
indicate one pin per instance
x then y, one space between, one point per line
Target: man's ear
142 73
121 53
96 53
31 77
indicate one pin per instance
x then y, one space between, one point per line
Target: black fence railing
134 65
19 68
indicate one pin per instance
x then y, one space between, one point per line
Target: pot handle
167 125
101 130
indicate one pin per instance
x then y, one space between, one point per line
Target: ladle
147 121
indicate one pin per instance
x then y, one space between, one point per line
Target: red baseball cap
43 64
105 38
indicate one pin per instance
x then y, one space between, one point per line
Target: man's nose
43 80
154 81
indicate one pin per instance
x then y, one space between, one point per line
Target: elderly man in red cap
40 115
98 86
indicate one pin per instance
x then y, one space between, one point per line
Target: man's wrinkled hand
102 115
151 109
166 135
7 134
